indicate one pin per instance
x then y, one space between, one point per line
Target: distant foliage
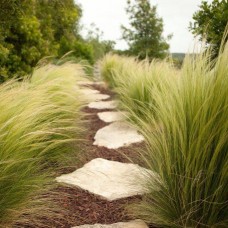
30 30
178 59
145 34
78 48
9 9
100 46
210 22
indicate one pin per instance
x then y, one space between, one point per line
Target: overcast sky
109 15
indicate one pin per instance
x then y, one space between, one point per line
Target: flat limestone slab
90 83
132 224
100 83
93 95
103 105
116 135
109 117
89 91
96 97
109 179
85 83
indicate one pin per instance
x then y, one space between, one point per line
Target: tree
33 29
9 10
100 46
210 22
145 35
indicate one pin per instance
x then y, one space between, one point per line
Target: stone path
132 224
111 180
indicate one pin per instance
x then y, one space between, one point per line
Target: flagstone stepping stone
100 83
90 83
109 179
89 91
132 224
85 83
96 97
103 105
109 117
116 135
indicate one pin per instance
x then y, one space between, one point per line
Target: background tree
100 46
8 9
33 29
144 37
210 22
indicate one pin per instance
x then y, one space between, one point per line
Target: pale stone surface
116 135
84 83
132 224
93 95
109 179
103 105
88 91
100 84
109 117
98 97
90 83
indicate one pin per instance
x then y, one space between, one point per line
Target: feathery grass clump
188 148
134 80
59 88
183 116
39 120
112 66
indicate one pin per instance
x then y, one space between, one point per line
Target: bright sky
109 15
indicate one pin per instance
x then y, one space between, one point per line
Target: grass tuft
183 116
40 118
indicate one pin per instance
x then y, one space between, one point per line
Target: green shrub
77 50
84 51
31 30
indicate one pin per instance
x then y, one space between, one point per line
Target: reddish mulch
87 208
81 207
104 90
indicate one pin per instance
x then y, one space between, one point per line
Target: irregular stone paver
116 135
98 97
132 224
90 83
100 83
109 117
89 91
103 105
85 83
93 95
109 179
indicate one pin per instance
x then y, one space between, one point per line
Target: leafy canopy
210 22
31 30
144 37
